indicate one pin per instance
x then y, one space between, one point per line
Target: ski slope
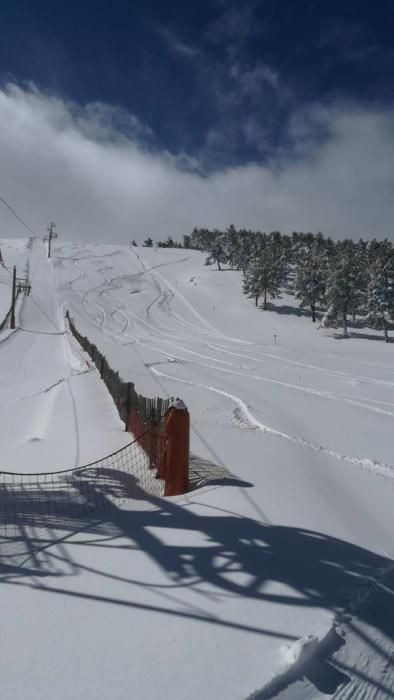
204 595
55 413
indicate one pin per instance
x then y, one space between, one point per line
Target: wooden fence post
176 470
129 404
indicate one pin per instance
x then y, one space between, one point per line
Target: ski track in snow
42 416
163 287
362 378
176 293
306 390
155 334
380 469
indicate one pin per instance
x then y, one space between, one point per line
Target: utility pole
13 298
51 234
19 284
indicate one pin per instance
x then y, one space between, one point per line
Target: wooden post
177 449
51 234
13 298
129 403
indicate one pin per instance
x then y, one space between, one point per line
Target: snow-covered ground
13 252
207 595
54 411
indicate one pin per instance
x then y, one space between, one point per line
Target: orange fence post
177 429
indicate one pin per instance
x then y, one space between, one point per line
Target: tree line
341 279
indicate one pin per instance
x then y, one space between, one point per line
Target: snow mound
293 659
300 652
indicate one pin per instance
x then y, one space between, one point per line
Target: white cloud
89 170
174 43
251 81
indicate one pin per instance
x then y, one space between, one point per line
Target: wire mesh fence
135 472
142 416
45 499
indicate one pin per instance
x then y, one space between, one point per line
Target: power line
17 215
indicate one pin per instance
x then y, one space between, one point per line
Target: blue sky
218 80
206 88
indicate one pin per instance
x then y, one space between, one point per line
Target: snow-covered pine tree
252 283
311 261
360 264
216 249
380 290
287 252
244 250
187 239
231 244
265 272
200 238
345 284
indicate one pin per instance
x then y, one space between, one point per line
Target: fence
165 442
155 463
8 314
52 499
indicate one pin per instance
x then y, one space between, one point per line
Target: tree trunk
386 335
256 299
265 299
219 268
345 333
313 309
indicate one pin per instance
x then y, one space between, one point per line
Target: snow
301 651
13 252
216 593
55 414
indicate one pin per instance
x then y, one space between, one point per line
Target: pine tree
380 290
243 252
311 267
345 286
360 264
200 238
216 249
253 283
230 242
265 271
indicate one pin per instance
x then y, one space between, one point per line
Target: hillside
201 595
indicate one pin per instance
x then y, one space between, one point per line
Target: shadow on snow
232 556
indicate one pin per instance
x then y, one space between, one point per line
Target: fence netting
44 499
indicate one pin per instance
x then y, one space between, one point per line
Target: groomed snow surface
273 578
